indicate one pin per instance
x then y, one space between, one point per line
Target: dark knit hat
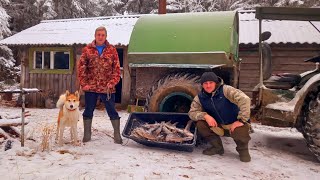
209 76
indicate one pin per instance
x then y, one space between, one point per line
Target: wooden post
126 80
22 116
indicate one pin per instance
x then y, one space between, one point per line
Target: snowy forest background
17 15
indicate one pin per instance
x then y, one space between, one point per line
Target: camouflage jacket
234 95
98 71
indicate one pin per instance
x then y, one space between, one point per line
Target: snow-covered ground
277 153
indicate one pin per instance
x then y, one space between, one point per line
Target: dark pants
91 101
240 134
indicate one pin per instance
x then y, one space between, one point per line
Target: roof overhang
288 13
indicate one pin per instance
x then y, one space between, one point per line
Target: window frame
32 59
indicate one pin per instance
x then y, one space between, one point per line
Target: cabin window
51 60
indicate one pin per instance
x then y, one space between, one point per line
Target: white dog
68 115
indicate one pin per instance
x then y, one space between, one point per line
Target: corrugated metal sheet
316 24
247 15
300 32
75 31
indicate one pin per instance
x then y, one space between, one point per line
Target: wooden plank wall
59 83
285 59
56 83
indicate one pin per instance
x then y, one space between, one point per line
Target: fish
163 132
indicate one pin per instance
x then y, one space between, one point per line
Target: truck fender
311 84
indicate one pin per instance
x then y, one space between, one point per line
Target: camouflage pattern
232 94
99 71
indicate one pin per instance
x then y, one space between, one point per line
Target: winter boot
87 123
216 148
116 131
243 151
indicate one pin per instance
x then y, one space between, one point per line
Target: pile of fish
163 132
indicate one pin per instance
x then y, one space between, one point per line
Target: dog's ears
77 94
67 93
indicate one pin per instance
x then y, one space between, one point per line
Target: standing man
221 110
98 73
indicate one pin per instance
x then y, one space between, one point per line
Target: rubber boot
243 151
216 147
241 137
212 138
116 131
87 123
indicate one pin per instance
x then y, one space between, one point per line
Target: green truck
168 53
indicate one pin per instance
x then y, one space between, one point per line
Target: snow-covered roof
75 31
300 32
81 31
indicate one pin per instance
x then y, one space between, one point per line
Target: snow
6 62
4 25
4 122
24 89
75 31
277 153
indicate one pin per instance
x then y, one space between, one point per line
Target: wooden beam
288 13
126 80
12 122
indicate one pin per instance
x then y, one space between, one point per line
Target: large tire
173 93
311 121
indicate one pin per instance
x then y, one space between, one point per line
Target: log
12 122
9 132
7 96
14 131
4 134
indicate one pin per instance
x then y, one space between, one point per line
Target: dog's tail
61 101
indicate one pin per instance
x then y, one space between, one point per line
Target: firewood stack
8 125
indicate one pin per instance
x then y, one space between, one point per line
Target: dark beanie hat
209 76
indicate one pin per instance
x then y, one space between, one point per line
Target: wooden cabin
49 51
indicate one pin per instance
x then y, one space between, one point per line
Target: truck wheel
173 93
311 122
